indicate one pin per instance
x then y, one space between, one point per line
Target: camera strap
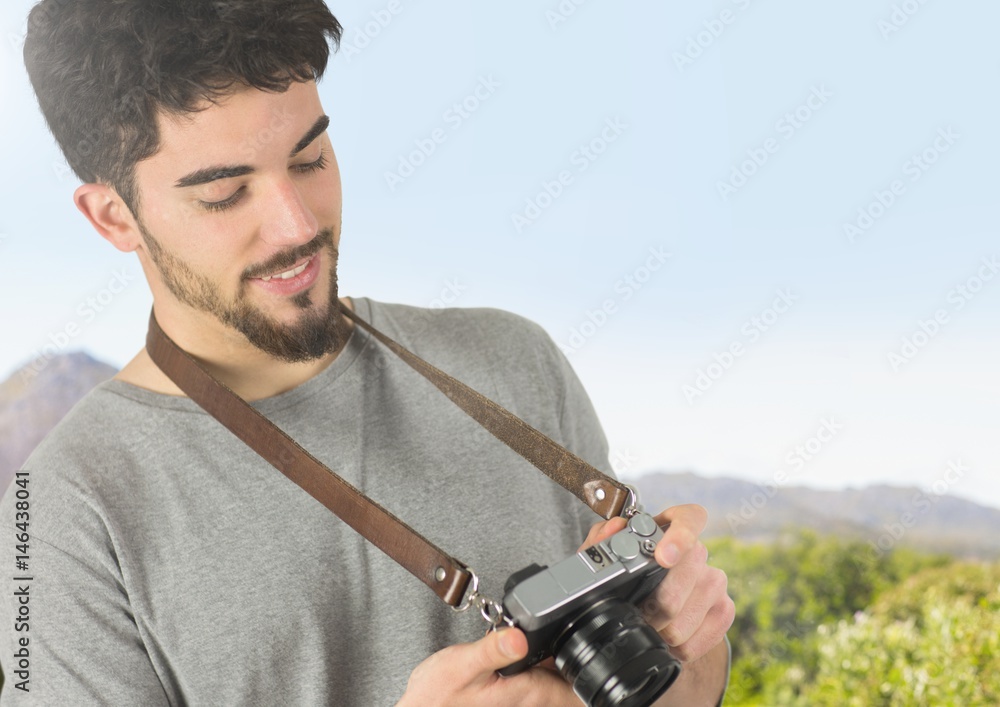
445 575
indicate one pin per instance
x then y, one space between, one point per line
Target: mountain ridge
882 515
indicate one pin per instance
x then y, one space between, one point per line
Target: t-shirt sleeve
83 645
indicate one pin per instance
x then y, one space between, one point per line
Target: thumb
497 649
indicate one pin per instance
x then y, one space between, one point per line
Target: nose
288 221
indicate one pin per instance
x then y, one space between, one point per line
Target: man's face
240 212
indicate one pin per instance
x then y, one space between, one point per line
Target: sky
763 231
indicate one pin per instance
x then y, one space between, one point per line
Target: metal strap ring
472 593
631 506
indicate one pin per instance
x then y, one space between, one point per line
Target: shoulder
505 356
473 339
457 323
483 330
83 458
100 420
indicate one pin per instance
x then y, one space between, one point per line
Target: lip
292 285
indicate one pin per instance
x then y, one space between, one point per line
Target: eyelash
308 168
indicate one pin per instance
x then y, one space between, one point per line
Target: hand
691 608
465 674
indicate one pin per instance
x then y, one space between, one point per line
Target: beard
319 330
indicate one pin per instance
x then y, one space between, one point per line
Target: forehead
244 127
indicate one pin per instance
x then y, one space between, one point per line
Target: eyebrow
211 174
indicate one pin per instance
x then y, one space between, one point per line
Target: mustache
283 261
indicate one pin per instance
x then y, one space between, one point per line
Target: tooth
266 279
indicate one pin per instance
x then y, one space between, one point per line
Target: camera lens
611 656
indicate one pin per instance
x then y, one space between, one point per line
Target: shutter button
642 524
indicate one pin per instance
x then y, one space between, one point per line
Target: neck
248 371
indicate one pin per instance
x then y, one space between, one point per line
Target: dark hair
103 69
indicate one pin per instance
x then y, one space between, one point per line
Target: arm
83 644
702 681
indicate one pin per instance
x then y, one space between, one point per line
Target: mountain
34 398
880 516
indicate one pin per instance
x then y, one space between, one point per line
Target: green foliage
822 621
935 640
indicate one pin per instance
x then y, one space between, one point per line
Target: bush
784 593
935 640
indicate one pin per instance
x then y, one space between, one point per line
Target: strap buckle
490 609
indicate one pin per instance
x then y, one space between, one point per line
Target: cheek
170 217
213 248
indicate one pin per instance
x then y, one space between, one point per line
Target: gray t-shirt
172 565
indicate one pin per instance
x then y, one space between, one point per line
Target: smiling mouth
288 274
293 281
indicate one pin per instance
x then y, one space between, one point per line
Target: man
171 564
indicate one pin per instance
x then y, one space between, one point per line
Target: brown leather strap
602 493
443 574
446 576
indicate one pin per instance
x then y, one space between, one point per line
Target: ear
109 216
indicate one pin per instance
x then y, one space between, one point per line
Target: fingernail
669 555
506 644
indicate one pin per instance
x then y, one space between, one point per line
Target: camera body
583 611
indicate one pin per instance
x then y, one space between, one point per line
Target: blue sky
659 186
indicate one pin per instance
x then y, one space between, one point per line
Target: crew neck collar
356 343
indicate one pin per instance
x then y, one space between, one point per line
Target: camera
583 611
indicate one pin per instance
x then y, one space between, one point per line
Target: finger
479 661
718 620
497 649
709 591
603 530
686 523
672 595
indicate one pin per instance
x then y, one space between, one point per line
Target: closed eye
225 203
312 166
307 168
